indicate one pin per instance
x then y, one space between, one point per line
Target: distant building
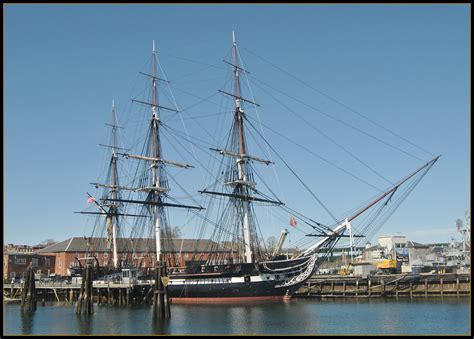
15 265
137 252
417 254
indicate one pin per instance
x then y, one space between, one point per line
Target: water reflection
160 326
26 321
315 316
85 323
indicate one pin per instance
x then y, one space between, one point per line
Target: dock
318 286
393 285
116 293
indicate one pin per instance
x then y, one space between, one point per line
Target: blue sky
404 66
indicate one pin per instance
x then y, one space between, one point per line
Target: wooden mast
155 168
113 217
241 161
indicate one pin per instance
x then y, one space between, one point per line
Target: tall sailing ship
236 266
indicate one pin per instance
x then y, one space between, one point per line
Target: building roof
374 248
412 244
79 244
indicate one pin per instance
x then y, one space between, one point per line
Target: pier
318 286
393 285
114 293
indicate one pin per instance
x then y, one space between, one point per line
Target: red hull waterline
178 300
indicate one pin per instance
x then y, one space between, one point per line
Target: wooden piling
29 291
161 298
85 295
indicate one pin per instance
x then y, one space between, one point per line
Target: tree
48 242
176 232
271 244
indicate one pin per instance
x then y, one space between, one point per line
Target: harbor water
443 316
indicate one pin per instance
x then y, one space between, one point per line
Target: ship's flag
91 200
293 221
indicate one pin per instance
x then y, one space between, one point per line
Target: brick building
137 252
15 265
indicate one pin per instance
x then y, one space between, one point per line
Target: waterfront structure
413 257
15 265
130 252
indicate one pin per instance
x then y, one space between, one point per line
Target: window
47 262
34 262
20 261
106 255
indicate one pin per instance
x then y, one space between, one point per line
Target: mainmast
156 184
156 190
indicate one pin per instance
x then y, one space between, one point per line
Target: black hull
268 280
221 291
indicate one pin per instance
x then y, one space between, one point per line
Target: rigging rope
339 102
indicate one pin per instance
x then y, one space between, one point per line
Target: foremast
239 177
242 186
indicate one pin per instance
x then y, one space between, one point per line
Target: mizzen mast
111 220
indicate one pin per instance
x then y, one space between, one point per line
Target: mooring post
32 299
161 300
29 292
43 301
89 305
85 295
